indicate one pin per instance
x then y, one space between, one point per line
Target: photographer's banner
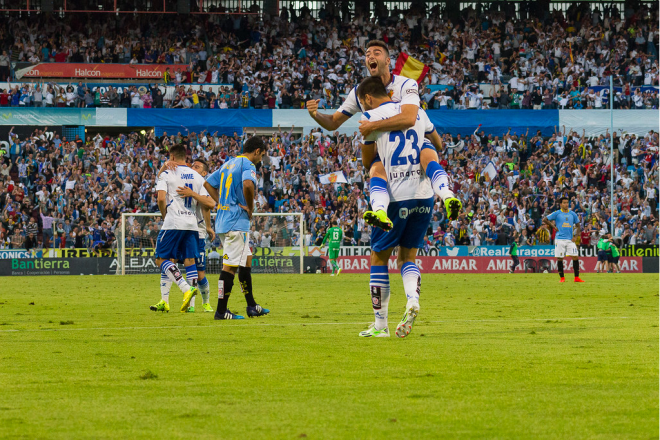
484 265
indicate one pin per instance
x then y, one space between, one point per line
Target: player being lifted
404 91
564 221
411 206
178 239
203 214
233 187
333 236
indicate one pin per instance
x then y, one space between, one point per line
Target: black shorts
615 260
602 256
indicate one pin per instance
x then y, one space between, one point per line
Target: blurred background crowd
65 193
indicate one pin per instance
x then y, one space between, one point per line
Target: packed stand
541 59
65 193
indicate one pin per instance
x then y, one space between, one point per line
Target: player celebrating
411 205
178 238
513 251
233 188
404 91
564 221
203 214
333 236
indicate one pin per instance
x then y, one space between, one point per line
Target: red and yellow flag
410 68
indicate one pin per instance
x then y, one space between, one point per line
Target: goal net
276 240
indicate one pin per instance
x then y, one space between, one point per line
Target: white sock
439 180
378 195
379 284
412 282
165 286
174 275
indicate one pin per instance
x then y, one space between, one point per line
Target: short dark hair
379 43
253 144
178 151
372 86
561 199
204 163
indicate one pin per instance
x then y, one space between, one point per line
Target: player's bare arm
162 203
206 213
248 193
205 201
402 121
550 224
329 122
213 192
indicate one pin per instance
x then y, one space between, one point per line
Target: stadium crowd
546 58
65 193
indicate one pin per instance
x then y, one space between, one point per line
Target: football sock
576 268
335 266
245 278
412 282
204 288
560 268
379 284
378 195
165 285
191 277
439 180
225 283
172 272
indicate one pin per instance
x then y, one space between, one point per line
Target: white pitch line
179 327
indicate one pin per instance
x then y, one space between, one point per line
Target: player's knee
427 155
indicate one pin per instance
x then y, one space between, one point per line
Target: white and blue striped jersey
400 153
181 211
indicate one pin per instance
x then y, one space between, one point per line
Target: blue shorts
411 219
179 245
200 259
602 255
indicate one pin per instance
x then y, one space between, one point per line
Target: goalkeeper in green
333 236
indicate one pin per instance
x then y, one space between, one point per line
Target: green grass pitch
491 356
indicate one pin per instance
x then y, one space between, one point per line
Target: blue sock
439 180
204 289
379 284
412 281
378 195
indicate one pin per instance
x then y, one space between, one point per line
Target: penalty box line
292 324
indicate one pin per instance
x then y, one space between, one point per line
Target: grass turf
491 356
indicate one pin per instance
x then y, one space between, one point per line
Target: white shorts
236 248
565 248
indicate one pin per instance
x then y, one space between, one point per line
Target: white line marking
179 327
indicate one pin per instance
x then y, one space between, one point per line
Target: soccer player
178 237
203 214
614 265
412 199
233 187
564 221
602 246
514 253
333 236
404 91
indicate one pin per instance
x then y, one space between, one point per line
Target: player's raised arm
329 122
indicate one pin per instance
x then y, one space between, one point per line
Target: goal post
277 241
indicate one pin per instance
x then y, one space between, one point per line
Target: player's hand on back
366 128
312 106
170 165
184 191
249 213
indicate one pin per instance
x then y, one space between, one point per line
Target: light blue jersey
228 180
564 222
